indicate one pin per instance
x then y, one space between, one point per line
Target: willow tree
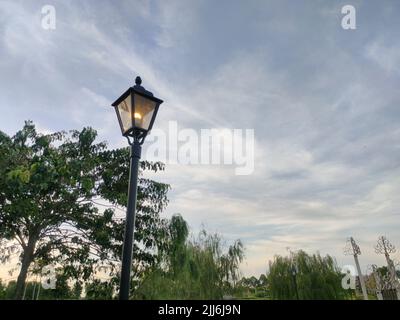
197 268
303 276
50 189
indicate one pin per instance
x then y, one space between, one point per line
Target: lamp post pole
356 252
130 220
361 278
136 111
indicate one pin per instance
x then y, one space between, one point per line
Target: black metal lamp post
136 111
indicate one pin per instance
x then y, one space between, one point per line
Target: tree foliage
313 276
253 288
34 291
99 290
51 186
192 269
3 290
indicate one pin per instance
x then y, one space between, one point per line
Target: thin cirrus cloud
323 103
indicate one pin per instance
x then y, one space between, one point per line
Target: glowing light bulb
137 116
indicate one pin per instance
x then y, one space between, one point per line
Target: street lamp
136 110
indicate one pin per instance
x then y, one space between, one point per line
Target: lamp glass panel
124 110
144 110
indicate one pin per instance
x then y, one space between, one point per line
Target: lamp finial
138 81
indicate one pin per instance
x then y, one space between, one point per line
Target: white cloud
385 56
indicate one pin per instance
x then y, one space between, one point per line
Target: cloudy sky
324 104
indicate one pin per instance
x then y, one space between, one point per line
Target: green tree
192 269
99 290
383 271
314 277
50 188
253 282
3 290
62 291
263 281
77 290
253 288
10 290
